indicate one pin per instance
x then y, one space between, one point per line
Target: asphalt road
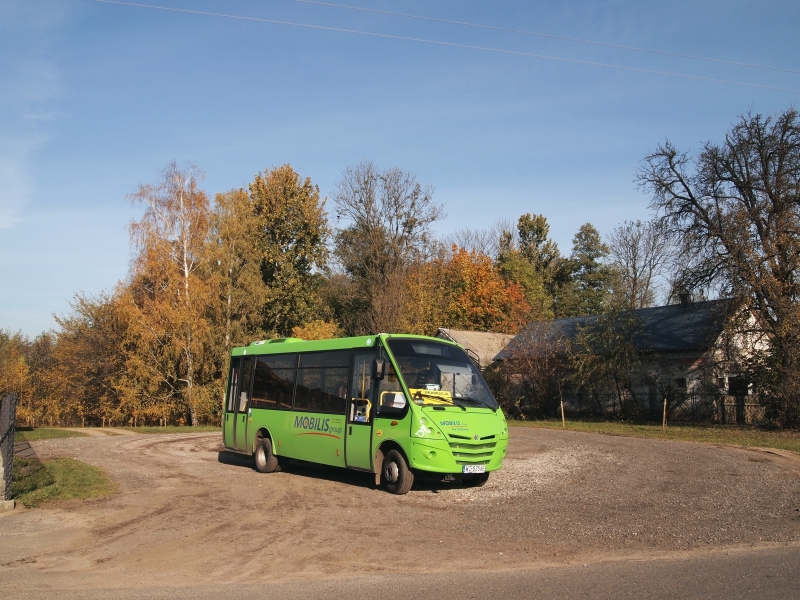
763 574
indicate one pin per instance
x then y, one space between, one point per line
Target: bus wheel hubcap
391 472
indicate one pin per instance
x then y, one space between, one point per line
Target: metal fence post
8 414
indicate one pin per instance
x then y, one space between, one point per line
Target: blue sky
96 98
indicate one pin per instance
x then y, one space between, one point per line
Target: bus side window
233 380
320 379
244 390
392 399
273 382
360 408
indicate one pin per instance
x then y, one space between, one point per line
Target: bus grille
469 452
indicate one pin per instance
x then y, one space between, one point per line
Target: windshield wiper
481 402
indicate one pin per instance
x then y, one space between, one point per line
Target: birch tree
170 296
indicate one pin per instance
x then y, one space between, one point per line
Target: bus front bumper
439 457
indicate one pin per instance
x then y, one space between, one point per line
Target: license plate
473 469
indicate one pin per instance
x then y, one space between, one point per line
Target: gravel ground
574 493
187 514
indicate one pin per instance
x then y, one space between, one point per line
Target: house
481 346
685 352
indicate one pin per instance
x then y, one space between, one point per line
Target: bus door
229 418
360 412
241 416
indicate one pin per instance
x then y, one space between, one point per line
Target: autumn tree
39 356
736 210
89 375
317 329
463 290
292 242
170 297
426 296
479 299
234 258
385 221
14 373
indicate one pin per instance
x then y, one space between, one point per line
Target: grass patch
173 429
710 434
34 482
31 434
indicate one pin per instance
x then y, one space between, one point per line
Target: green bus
398 406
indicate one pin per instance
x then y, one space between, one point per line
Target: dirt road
183 517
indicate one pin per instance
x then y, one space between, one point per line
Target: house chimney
685 298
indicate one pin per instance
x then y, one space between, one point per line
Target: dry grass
31 434
709 434
173 429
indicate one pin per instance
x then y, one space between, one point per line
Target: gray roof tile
672 328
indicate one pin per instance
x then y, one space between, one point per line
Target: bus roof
285 345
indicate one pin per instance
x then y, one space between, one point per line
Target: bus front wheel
266 461
396 476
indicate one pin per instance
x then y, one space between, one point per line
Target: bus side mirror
378 368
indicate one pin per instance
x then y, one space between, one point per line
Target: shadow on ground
338 475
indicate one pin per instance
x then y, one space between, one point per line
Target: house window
737 386
680 383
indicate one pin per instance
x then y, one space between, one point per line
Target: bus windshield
440 374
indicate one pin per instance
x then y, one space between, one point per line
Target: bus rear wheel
395 474
266 461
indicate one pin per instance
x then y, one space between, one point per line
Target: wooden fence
737 410
692 407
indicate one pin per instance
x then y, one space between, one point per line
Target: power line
449 44
547 35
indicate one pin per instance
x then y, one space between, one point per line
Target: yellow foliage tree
89 376
463 291
169 288
14 375
480 299
235 261
317 330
